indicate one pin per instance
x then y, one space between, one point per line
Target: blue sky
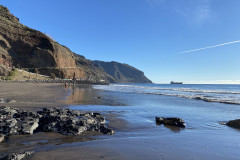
148 34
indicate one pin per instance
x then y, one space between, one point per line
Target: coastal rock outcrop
29 49
176 122
123 73
64 121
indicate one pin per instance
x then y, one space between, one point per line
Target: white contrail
193 50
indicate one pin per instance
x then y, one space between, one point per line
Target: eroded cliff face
23 47
92 70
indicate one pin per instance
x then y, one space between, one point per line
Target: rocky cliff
123 73
23 47
31 50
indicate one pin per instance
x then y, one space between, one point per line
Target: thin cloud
153 3
218 45
195 12
202 13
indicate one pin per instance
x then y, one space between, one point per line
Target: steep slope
123 73
93 70
23 47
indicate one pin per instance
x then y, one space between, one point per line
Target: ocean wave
219 96
177 89
205 91
205 98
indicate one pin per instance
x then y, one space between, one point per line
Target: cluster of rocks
176 122
17 156
64 121
7 100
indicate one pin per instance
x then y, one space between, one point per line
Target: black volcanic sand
140 138
33 96
137 136
86 95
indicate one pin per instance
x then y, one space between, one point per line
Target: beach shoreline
132 116
35 96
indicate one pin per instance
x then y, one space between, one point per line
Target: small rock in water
234 123
176 122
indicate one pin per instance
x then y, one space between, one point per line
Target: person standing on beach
74 78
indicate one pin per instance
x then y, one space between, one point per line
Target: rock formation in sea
123 73
234 123
171 121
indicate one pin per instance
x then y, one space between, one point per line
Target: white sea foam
207 95
199 97
173 89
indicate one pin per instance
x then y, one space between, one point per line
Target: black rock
17 156
7 100
176 122
234 123
63 121
106 130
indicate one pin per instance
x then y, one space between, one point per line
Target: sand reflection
82 95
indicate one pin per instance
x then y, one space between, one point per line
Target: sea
203 107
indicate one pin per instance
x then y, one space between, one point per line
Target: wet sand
86 95
33 96
80 152
140 138
137 136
